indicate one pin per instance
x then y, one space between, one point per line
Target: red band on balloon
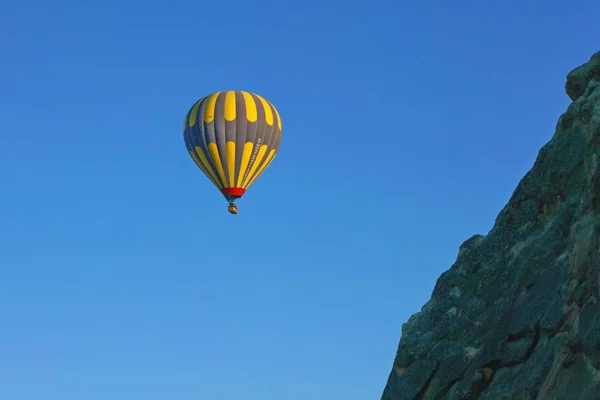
234 192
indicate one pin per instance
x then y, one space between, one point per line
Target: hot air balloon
232 137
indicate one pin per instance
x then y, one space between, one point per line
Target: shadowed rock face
517 316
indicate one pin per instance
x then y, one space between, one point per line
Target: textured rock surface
518 314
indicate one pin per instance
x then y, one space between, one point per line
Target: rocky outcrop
517 316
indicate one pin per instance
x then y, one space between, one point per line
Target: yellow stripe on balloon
278 118
268 112
262 167
231 162
216 159
194 113
209 111
248 146
230 106
201 166
208 166
259 157
251 113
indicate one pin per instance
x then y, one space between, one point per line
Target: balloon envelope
232 136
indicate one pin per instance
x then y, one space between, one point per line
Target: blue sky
406 128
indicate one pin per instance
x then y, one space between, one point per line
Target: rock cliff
518 314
